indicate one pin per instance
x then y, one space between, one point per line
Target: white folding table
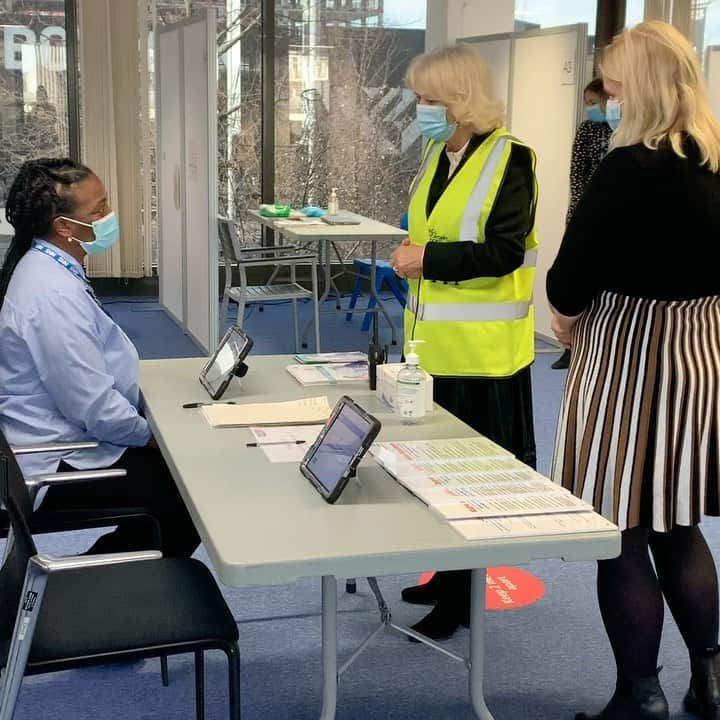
264 524
326 236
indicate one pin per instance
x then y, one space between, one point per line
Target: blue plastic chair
384 274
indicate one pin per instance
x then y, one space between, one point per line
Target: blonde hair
458 78
664 96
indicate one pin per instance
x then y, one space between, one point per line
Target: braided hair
41 190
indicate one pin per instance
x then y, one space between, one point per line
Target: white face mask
613 113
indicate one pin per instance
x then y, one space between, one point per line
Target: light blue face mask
432 122
106 232
595 114
613 113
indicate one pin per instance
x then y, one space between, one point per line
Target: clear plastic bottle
333 206
410 401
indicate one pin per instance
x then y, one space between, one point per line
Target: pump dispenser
333 206
411 388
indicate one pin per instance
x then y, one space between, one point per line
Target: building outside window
33 86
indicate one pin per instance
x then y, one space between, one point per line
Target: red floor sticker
507 588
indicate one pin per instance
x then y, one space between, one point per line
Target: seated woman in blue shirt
67 371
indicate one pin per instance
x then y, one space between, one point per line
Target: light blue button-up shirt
67 370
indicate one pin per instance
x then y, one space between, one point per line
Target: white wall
448 20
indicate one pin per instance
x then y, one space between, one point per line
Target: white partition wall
186 118
545 76
497 51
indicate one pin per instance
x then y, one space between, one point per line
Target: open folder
306 411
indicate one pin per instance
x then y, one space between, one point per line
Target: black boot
703 697
442 621
563 362
426 594
634 699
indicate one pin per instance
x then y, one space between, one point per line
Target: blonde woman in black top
637 297
589 148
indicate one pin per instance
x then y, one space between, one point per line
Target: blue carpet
544 662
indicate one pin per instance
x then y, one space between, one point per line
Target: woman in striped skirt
636 293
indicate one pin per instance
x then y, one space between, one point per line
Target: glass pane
706 25
634 12
532 14
240 107
33 87
343 117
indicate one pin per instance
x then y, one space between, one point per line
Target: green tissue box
275 210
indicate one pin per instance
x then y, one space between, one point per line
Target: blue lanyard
58 258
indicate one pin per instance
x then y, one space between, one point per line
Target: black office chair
49 521
62 613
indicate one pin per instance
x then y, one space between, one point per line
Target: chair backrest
18 503
229 239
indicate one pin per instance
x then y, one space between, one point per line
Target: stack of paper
473 481
294 412
532 526
329 374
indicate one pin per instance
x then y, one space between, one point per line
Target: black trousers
502 410
148 484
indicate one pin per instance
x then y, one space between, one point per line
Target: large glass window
634 12
33 85
343 117
532 14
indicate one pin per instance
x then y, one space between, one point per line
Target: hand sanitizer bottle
333 206
411 388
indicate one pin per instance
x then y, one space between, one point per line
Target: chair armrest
53 447
51 563
63 478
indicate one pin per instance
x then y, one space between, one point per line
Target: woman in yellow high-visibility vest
470 261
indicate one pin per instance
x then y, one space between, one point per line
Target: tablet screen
219 370
334 455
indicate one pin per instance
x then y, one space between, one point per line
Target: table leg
323 247
477 644
329 647
376 295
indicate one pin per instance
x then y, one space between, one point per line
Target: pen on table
275 442
201 404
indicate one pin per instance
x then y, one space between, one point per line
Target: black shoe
563 362
441 622
703 697
635 699
425 594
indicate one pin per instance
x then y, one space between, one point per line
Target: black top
589 148
647 226
509 223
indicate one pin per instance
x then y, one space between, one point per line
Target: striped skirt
639 430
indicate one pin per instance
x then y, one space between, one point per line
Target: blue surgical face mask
613 113
106 232
432 122
595 114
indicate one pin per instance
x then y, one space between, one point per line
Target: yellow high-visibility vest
482 327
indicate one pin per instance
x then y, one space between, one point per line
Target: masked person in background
470 260
589 148
67 371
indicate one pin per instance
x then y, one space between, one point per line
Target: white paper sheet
560 524
287 450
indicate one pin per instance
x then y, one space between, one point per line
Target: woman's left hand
407 260
563 328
